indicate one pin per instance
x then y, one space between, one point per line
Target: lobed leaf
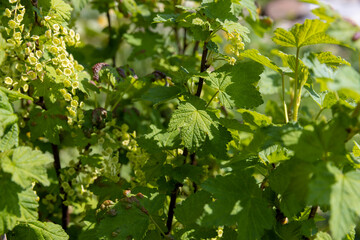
194 122
26 165
312 31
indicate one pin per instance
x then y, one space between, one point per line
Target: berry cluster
43 57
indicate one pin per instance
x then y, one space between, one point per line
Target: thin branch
65 218
313 212
177 39
196 47
283 99
203 68
172 206
184 42
297 95
212 98
110 37
194 163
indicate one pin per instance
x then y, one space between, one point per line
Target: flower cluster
40 57
120 142
237 45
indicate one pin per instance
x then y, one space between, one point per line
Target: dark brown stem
110 37
194 163
177 39
313 212
172 206
184 42
203 68
196 47
35 4
41 103
65 217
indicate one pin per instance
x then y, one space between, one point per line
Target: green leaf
290 180
347 80
275 154
250 6
193 121
13 95
192 208
320 185
219 10
7 117
144 44
356 149
331 60
47 123
323 236
238 199
254 119
126 218
159 139
237 84
10 138
26 165
36 230
312 31
218 145
160 94
16 204
316 142
2 49
255 55
220 81
231 27
79 4
165 18
344 202
61 11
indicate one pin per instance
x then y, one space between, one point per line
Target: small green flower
8 80
74 103
67 97
48 33
19 18
26 87
67 83
17 35
39 67
75 84
12 24
72 33
32 60
77 37
67 71
8 13
56 27
38 53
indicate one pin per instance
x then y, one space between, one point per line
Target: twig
177 39
203 68
65 218
184 42
196 47
172 206
313 212
110 37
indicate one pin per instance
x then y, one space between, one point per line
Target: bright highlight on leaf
194 123
26 165
309 33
